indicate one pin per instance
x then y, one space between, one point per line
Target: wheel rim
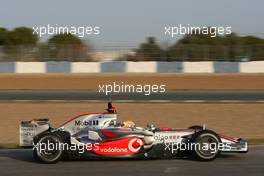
50 148
208 146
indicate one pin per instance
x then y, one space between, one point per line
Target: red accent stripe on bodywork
109 134
177 130
227 138
165 129
184 130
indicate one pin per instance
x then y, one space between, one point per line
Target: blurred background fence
21 44
182 52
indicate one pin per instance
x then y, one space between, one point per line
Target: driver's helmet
128 124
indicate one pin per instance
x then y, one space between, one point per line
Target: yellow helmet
128 124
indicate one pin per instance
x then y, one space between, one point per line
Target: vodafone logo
135 144
126 146
114 150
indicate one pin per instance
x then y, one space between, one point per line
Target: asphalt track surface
170 96
20 162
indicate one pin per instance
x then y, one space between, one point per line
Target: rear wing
29 129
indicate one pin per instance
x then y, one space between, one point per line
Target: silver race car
97 135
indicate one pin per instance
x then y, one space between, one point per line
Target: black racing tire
206 144
49 155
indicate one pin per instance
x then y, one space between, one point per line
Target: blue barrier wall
113 67
226 67
168 67
121 67
58 67
7 67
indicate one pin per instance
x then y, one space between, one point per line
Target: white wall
85 67
252 67
142 67
198 67
30 67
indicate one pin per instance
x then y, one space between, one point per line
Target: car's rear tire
49 150
206 144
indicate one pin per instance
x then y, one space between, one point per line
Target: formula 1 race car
98 135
